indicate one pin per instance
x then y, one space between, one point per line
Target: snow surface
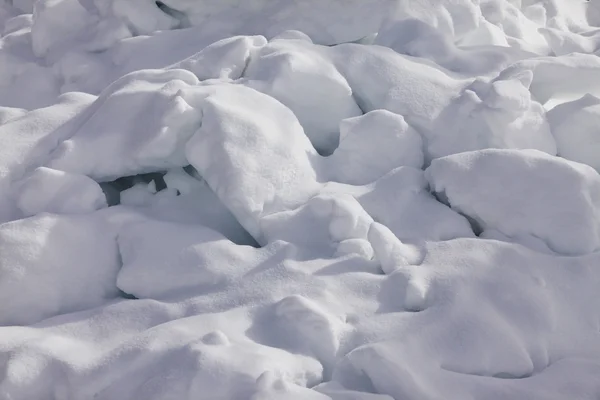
307 199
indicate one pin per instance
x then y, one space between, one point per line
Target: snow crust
268 199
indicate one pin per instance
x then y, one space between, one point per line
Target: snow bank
226 199
553 199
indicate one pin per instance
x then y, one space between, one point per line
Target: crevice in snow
173 13
499 375
443 198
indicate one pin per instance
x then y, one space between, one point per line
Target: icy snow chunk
224 59
553 199
301 76
575 127
54 264
257 163
163 259
140 123
48 190
372 145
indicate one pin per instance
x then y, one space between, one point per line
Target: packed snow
299 199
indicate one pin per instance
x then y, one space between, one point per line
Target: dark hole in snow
171 12
127 295
112 190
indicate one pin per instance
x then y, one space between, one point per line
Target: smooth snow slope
299 199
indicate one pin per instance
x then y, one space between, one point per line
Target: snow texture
309 199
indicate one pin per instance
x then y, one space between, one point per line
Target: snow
298 74
48 190
574 128
371 145
555 200
270 199
54 264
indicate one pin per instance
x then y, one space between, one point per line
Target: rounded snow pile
524 192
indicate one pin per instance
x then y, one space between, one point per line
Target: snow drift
299 199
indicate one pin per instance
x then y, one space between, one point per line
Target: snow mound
195 258
575 128
301 76
519 339
55 264
138 142
553 199
372 145
48 190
